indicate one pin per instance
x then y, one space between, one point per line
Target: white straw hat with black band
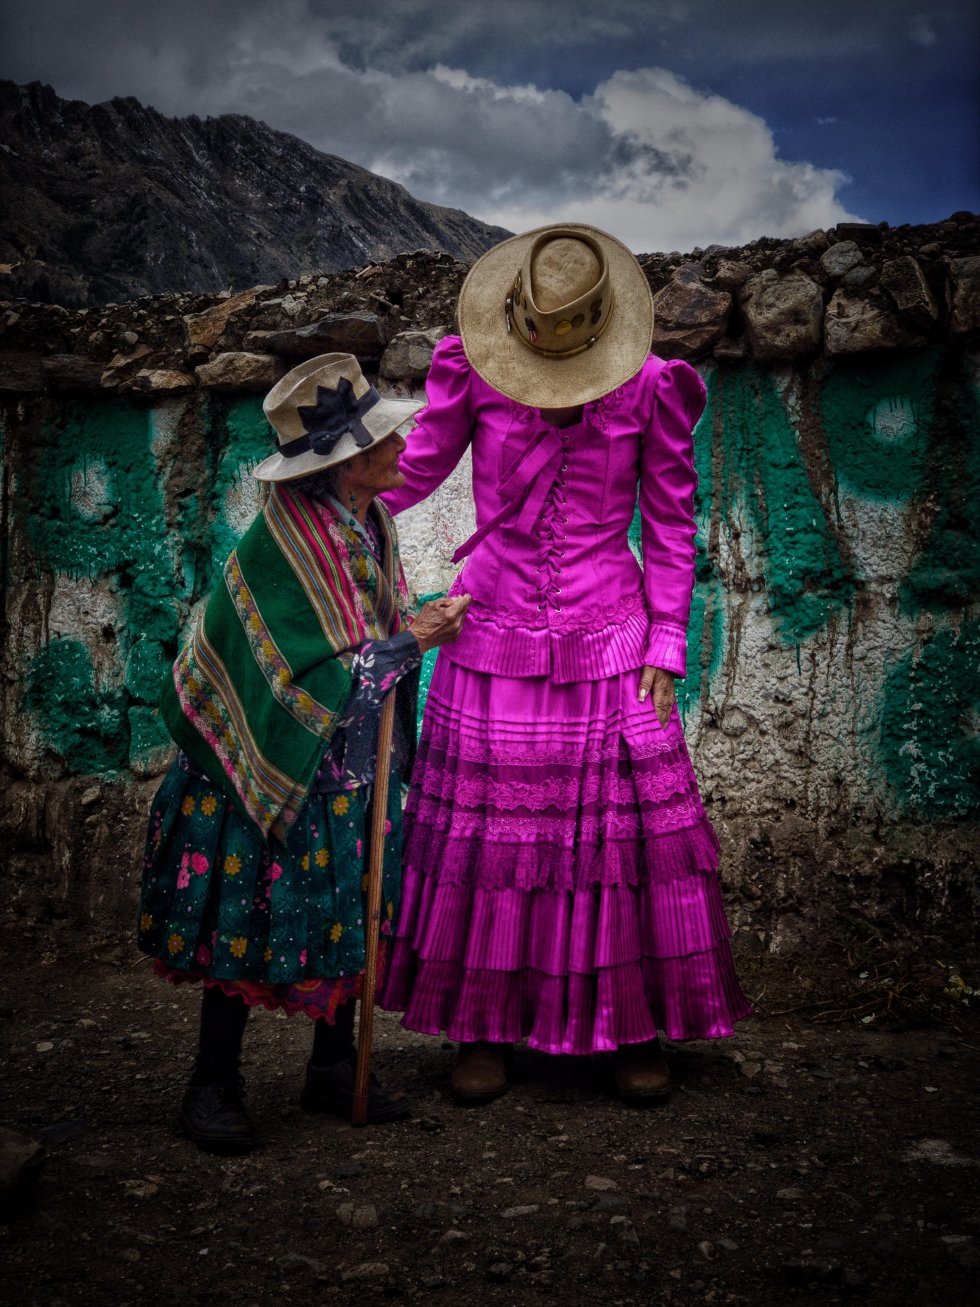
324 412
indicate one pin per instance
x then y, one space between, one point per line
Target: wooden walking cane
372 913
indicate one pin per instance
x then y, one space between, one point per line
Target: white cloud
649 157
654 159
735 187
462 81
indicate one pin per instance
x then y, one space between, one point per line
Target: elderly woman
256 847
560 881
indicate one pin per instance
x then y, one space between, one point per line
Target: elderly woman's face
377 468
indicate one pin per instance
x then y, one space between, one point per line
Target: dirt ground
800 1162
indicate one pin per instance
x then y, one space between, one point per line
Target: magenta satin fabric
560 881
556 589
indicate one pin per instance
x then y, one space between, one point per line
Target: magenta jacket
556 588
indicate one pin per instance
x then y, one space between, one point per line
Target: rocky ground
807 1160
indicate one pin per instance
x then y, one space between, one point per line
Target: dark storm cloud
92 47
627 152
412 33
518 111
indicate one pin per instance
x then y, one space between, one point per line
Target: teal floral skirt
280 924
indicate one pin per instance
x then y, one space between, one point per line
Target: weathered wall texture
834 686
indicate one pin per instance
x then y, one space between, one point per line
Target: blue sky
673 123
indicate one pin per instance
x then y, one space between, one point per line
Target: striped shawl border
329 560
351 599
310 714
218 716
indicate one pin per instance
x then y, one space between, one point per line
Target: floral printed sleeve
377 668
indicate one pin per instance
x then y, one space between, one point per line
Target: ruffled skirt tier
560 880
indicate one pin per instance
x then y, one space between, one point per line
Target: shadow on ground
796 1163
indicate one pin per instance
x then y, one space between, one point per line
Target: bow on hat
336 413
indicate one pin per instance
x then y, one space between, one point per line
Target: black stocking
223 1018
334 1043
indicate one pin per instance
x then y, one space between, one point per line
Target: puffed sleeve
667 485
444 427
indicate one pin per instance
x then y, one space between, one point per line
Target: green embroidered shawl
256 691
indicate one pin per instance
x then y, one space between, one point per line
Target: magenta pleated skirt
560 881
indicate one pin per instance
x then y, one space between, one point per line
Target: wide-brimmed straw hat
556 317
324 412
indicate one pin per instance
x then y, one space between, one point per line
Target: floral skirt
281 925
560 878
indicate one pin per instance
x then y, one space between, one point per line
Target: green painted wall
827 501
775 465
142 511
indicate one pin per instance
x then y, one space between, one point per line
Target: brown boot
642 1074
480 1073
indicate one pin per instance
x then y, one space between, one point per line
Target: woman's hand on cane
661 683
439 621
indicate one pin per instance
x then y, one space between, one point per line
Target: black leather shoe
331 1089
214 1117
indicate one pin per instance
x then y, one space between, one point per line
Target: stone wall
832 698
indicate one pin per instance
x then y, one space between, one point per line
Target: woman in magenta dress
560 881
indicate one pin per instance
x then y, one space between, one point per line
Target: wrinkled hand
662 685
439 621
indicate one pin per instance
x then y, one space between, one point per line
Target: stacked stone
852 289
390 315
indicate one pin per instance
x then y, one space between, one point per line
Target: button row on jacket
551 518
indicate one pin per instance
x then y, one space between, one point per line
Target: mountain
109 201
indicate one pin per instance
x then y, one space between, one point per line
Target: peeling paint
930 724
84 720
832 699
